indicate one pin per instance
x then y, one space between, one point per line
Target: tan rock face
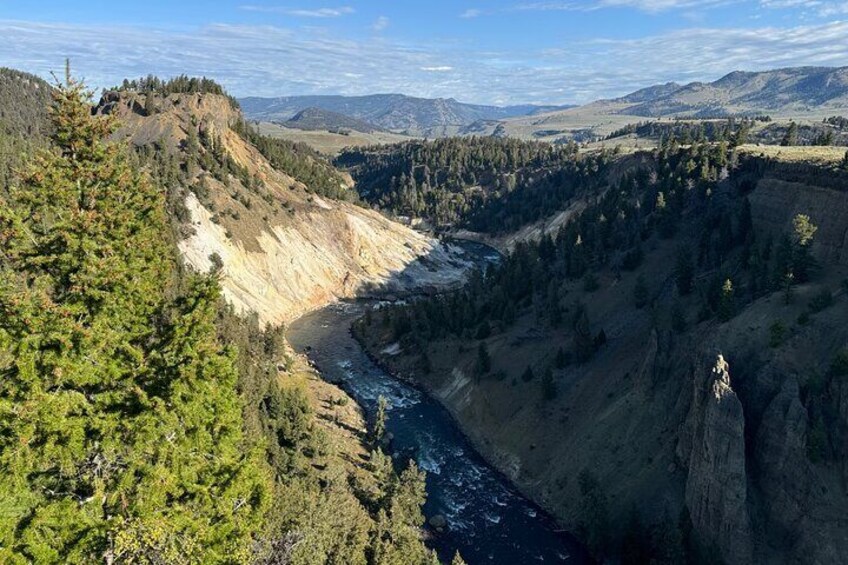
337 251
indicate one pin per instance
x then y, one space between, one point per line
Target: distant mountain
651 93
313 118
780 91
395 112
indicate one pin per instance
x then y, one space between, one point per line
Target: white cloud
822 8
643 5
471 13
301 12
380 23
275 61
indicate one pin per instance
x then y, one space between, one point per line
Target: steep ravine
706 433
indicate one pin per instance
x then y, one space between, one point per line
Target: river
488 520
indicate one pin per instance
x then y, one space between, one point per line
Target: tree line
487 184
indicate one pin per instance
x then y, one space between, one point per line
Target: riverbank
505 465
488 520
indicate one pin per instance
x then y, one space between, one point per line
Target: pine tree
457 559
484 362
727 301
120 428
592 509
640 292
791 136
684 271
549 388
379 431
584 344
802 261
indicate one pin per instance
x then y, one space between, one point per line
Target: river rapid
488 521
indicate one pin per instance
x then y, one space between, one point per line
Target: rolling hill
318 119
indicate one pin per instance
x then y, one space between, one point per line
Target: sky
490 52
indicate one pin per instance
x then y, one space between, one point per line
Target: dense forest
486 184
698 189
143 421
732 130
736 131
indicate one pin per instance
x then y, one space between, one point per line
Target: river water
488 521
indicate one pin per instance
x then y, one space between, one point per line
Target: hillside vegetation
482 183
143 419
24 100
284 247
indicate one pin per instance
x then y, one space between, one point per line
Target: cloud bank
275 61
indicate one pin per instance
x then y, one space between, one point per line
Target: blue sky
498 52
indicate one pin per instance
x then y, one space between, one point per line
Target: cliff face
334 251
283 250
776 202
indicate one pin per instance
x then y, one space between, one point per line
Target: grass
795 154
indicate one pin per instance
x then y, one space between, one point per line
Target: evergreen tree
395 539
379 431
684 271
594 516
457 559
640 293
727 301
791 136
121 430
803 232
549 388
484 362
584 344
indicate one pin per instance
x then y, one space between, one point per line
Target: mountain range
395 112
796 93
779 91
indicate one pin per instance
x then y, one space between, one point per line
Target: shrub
640 293
839 365
777 334
820 301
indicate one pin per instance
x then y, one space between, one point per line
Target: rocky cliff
713 449
281 249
